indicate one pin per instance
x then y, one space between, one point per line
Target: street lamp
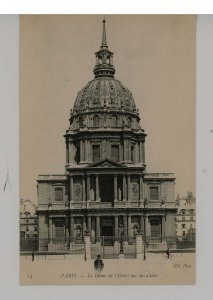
144 222
121 234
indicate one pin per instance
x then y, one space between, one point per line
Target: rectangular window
183 225
115 153
155 227
58 194
96 153
59 229
153 193
184 233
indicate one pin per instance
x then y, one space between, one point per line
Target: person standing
33 255
168 253
98 264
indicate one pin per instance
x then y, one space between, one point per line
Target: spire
104 42
104 58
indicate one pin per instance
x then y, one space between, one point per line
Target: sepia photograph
107 150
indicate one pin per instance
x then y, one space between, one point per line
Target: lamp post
144 222
121 227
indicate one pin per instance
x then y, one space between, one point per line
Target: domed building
105 192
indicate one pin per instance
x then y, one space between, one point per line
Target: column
83 189
140 151
71 189
129 151
124 187
88 188
84 225
141 224
136 153
139 246
163 228
50 229
89 224
129 227
70 155
125 227
116 228
121 157
97 188
67 152
71 228
128 188
141 189
87 242
85 151
143 152
67 228
115 188
125 150
81 151
98 231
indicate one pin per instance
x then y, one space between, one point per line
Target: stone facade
106 190
186 218
28 220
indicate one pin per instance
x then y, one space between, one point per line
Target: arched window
115 153
96 121
58 194
96 153
81 122
77 154
114 121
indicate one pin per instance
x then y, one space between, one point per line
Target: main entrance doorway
106 188
107 231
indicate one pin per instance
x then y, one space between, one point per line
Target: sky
154 57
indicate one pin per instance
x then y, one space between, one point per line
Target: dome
104 102
104 93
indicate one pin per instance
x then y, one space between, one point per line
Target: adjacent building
106 190
28 220
186 218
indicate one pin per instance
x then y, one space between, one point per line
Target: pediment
106 163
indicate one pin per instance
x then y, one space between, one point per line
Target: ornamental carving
77 191
135 191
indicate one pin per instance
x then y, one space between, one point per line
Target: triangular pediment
106 163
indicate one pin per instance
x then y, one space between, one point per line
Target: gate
109 248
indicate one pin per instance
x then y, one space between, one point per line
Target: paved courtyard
67 270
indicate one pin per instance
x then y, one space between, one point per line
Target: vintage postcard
107 149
